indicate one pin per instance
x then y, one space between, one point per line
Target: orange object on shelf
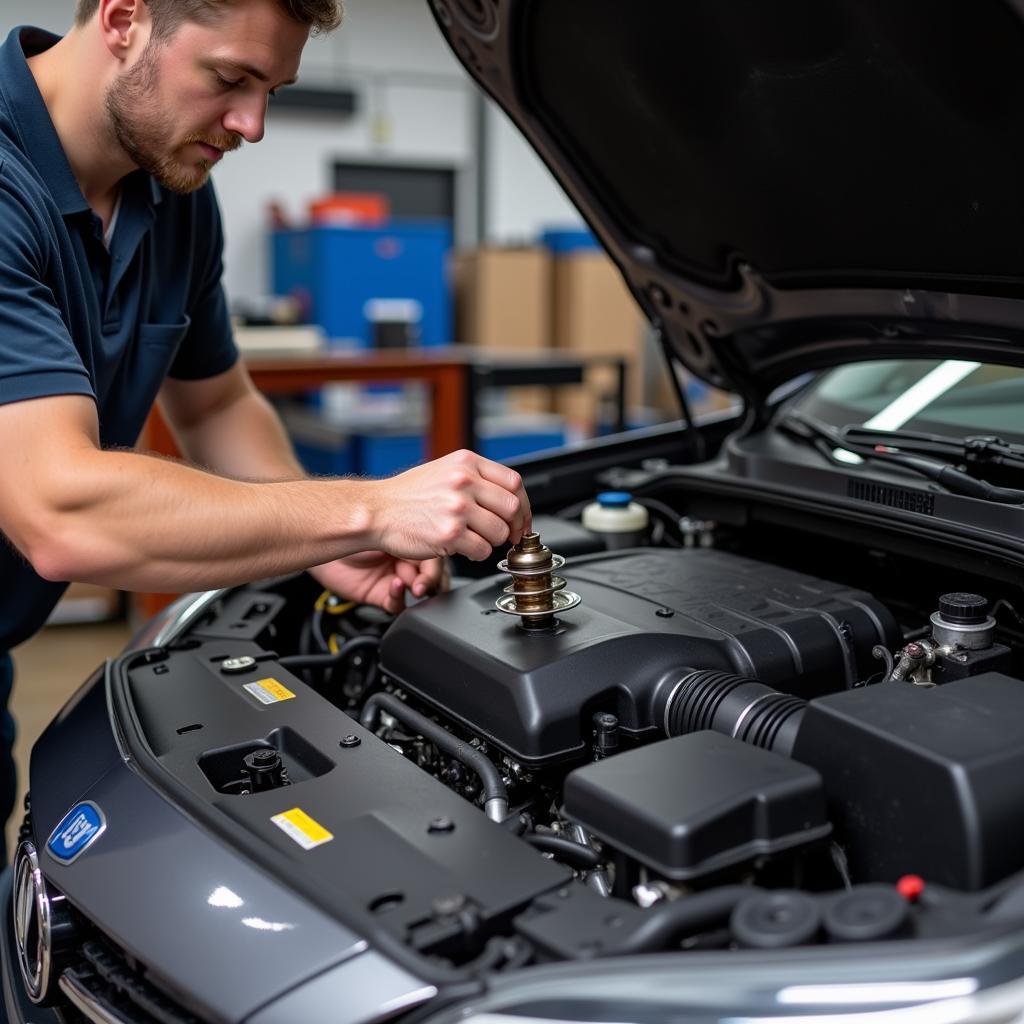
350 209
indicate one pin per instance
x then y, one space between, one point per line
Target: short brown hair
168 15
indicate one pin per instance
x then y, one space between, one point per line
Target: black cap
866 913
775 920
964 609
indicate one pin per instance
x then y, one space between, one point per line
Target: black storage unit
924 781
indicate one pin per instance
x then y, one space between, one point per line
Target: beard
144 130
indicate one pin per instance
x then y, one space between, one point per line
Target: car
736 733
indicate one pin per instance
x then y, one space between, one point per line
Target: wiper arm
956 481
982 450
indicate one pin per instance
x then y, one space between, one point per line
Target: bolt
440 825
659 295
445 906
647 895
664 613
231 666
351 740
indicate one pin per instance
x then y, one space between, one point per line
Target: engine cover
646 618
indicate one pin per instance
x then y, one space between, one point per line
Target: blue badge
76 831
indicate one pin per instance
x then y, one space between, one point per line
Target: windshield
951 397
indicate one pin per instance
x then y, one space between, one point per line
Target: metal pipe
574 854
670 922
495 793
598 878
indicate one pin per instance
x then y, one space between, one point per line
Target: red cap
910 887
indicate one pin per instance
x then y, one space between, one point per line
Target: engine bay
670 745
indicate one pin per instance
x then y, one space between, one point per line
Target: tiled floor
47 670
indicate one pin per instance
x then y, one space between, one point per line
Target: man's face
191 98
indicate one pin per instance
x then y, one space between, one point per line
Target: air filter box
692 805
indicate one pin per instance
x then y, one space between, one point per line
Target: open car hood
785 185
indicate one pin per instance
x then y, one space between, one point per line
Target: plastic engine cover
646 618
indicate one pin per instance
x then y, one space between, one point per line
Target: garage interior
386 169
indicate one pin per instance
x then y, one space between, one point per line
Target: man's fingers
511 482
501 503
492 528
407 572
395 600
428 579
501 475
473 546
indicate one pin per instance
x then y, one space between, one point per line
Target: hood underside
785 185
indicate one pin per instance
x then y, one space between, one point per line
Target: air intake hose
734 705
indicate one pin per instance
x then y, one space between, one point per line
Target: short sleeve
209 347
38 357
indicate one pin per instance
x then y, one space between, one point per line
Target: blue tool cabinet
337 270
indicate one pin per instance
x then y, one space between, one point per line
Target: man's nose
247 118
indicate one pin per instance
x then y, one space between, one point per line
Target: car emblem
38 917
77 831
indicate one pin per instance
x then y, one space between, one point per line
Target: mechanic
110 292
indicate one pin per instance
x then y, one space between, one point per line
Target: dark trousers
8 776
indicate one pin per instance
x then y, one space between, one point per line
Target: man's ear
124 26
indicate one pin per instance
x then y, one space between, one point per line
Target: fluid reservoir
620 521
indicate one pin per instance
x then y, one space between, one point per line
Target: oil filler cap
775 920
963 609
866 913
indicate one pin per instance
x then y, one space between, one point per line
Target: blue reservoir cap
614 499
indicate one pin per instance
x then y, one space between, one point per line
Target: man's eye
227 83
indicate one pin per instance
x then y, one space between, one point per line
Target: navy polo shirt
77 320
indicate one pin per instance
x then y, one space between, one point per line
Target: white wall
522 197
415 105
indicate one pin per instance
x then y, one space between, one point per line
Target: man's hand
459 504
373 577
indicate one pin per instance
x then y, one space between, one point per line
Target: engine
751 678
645 620
695 744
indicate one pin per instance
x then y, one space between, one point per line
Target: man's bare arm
226 425
141 523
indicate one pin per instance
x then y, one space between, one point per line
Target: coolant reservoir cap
614 499
615 512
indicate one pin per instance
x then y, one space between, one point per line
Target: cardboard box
503 301
593 312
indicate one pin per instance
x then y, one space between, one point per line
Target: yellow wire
323 605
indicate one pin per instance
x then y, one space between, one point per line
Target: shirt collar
38 137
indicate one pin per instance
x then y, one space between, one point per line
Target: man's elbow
59 551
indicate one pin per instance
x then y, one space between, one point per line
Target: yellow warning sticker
298 825
269 691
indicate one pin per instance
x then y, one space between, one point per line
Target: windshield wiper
827 439
974 451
